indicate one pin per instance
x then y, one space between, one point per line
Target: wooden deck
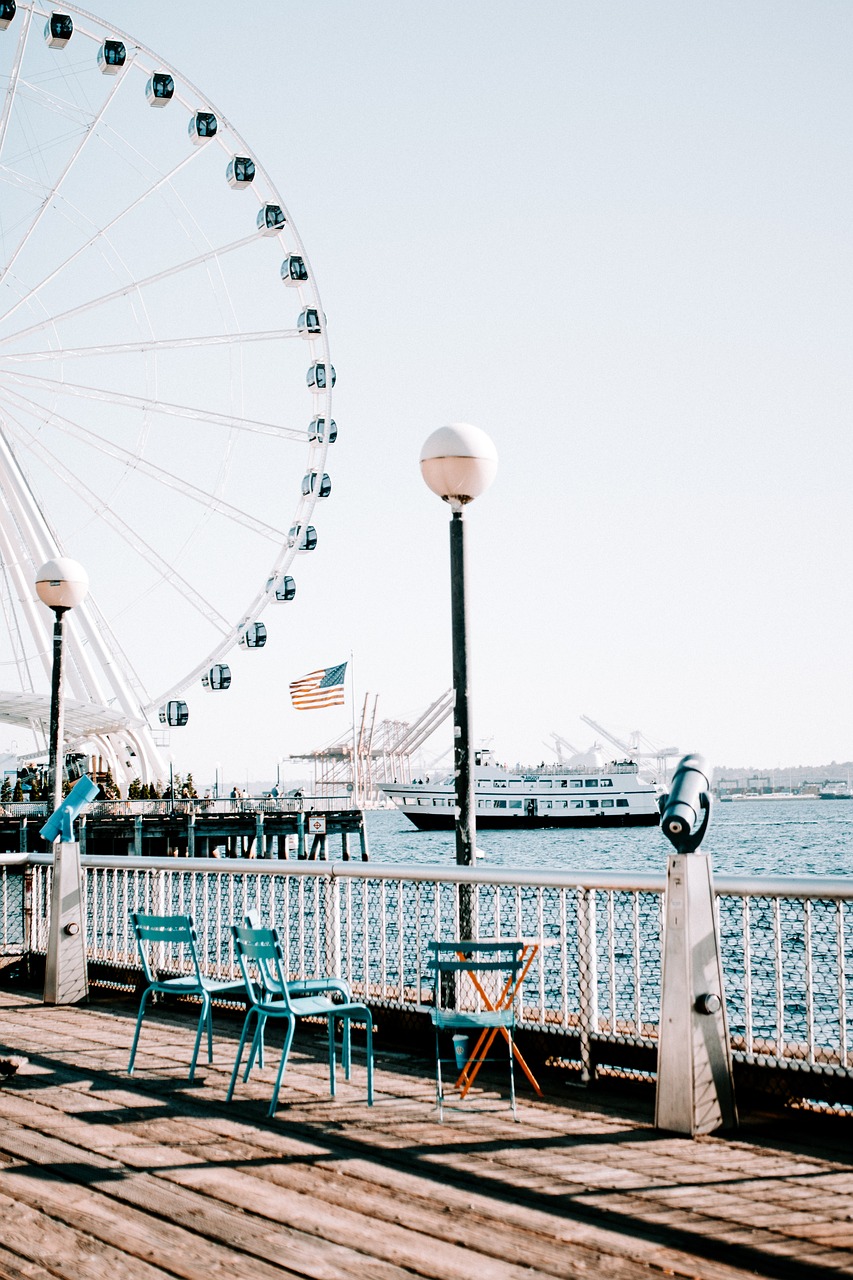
139 1178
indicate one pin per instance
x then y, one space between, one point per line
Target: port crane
638 747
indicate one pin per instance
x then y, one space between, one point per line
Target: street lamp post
62 584
458 462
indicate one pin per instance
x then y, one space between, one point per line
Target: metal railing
224 805
787 943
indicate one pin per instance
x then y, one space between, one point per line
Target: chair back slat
473 975
261 960
151 931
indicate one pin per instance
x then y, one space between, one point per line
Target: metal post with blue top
695 1093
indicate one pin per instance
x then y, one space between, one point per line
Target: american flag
323 688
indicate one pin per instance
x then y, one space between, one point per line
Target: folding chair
270 996
177 931
476 984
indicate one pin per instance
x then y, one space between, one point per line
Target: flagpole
354 751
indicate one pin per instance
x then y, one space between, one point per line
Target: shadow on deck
148 1176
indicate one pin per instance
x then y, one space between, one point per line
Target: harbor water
749 837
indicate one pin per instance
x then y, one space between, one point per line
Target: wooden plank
64 1251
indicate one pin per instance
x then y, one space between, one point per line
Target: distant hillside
793 777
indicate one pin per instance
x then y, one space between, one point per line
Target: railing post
587 979
332 927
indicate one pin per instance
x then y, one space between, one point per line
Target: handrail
821 887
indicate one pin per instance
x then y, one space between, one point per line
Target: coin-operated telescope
65 977
695 1093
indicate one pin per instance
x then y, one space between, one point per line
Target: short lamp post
62 584
459 462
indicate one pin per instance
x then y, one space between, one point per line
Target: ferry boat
575 795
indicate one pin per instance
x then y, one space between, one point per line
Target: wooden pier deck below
110 1177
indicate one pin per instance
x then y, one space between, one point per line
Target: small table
530 949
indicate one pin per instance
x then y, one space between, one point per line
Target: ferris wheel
165 383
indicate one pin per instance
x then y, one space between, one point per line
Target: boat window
486 804
515 782
545 782
500 804
606 782
577 804
592 804
515 804
576 782
423 800
607 804
544 804
561 804
590 782
500 782
621 804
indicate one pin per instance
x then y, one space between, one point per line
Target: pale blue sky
616 236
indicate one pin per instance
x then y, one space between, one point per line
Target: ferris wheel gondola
142 429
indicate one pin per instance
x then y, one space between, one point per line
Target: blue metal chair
177 931
270 995
267 988
476 984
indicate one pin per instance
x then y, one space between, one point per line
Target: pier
147 1176
311 828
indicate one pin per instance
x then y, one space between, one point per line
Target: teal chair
476 985
270 995
177 931
268 988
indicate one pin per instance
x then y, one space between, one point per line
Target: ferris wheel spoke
101 233
57 185
177 483
13 79
155 406
134 286
158 344
132 537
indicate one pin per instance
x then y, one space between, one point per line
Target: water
754 837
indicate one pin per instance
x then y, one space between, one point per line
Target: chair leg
202 1019
229 1095
209 1031
512 1077
439 1092
369 1029
146 993
288 1041
346 1049
332 1082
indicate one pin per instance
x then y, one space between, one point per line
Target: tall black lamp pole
61 584
459 462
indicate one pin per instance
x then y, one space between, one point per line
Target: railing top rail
814 887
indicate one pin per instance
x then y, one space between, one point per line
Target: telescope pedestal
695 1093
66 979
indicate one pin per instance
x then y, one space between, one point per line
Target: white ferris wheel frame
99 672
